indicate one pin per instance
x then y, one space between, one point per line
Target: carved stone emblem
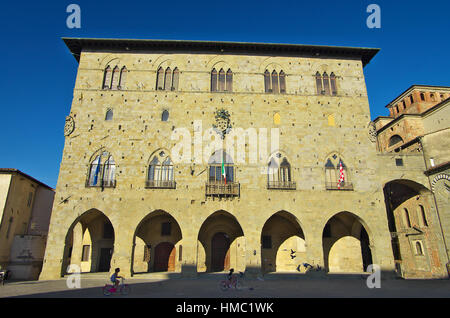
222 125
372 132
69 127
441 186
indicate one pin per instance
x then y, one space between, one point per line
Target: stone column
123 248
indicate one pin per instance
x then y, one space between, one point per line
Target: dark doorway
164 257
105 259
220 257
365 249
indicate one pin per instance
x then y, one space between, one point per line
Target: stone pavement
207 287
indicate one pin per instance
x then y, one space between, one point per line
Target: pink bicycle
123 289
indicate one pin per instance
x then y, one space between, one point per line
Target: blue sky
39 72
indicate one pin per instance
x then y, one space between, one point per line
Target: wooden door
164 257
220 256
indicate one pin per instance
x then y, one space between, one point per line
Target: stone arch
346 243
93 227
156 229
271 64
110 59
283 243
222 258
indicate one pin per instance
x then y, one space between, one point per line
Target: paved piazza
207 287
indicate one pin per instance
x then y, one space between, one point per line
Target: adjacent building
25 207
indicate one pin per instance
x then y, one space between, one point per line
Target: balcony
101 184
220 189
346 186
281 185
160 184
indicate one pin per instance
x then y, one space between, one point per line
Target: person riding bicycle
231 279
115 276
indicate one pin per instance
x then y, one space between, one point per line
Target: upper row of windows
221 81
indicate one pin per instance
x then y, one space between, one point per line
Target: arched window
221 168
406 219
107 78
221 80
326 84
102 171
422 96
160 79
267 86
411 99
165 115
320 90
213 80
275 88
123 77
229 87
279 174
395 140
336 174
333 84
175 77
115 77
282 82
160 172
422 216
109 114
419 249
168 79
433 98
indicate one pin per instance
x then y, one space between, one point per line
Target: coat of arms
222 125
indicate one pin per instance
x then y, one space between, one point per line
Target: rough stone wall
136 132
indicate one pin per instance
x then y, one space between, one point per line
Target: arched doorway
346 244
283 245
221 244
89 243
156 245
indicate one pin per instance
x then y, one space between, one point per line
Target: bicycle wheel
106 291
223 286
239 285
125 290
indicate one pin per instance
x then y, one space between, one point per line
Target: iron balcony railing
281 185
101 184
334 186
230 189
160 184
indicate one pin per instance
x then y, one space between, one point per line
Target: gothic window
229 87
175 77
333 84
422 96
395 140
213 80
160 172
334 165
109 115
279 173
274 82
326 84
115 77
167 79
160 79
107 78
267 86
102 171
215 173
123 77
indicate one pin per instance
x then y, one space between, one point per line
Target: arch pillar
253 267
122 253
189 255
